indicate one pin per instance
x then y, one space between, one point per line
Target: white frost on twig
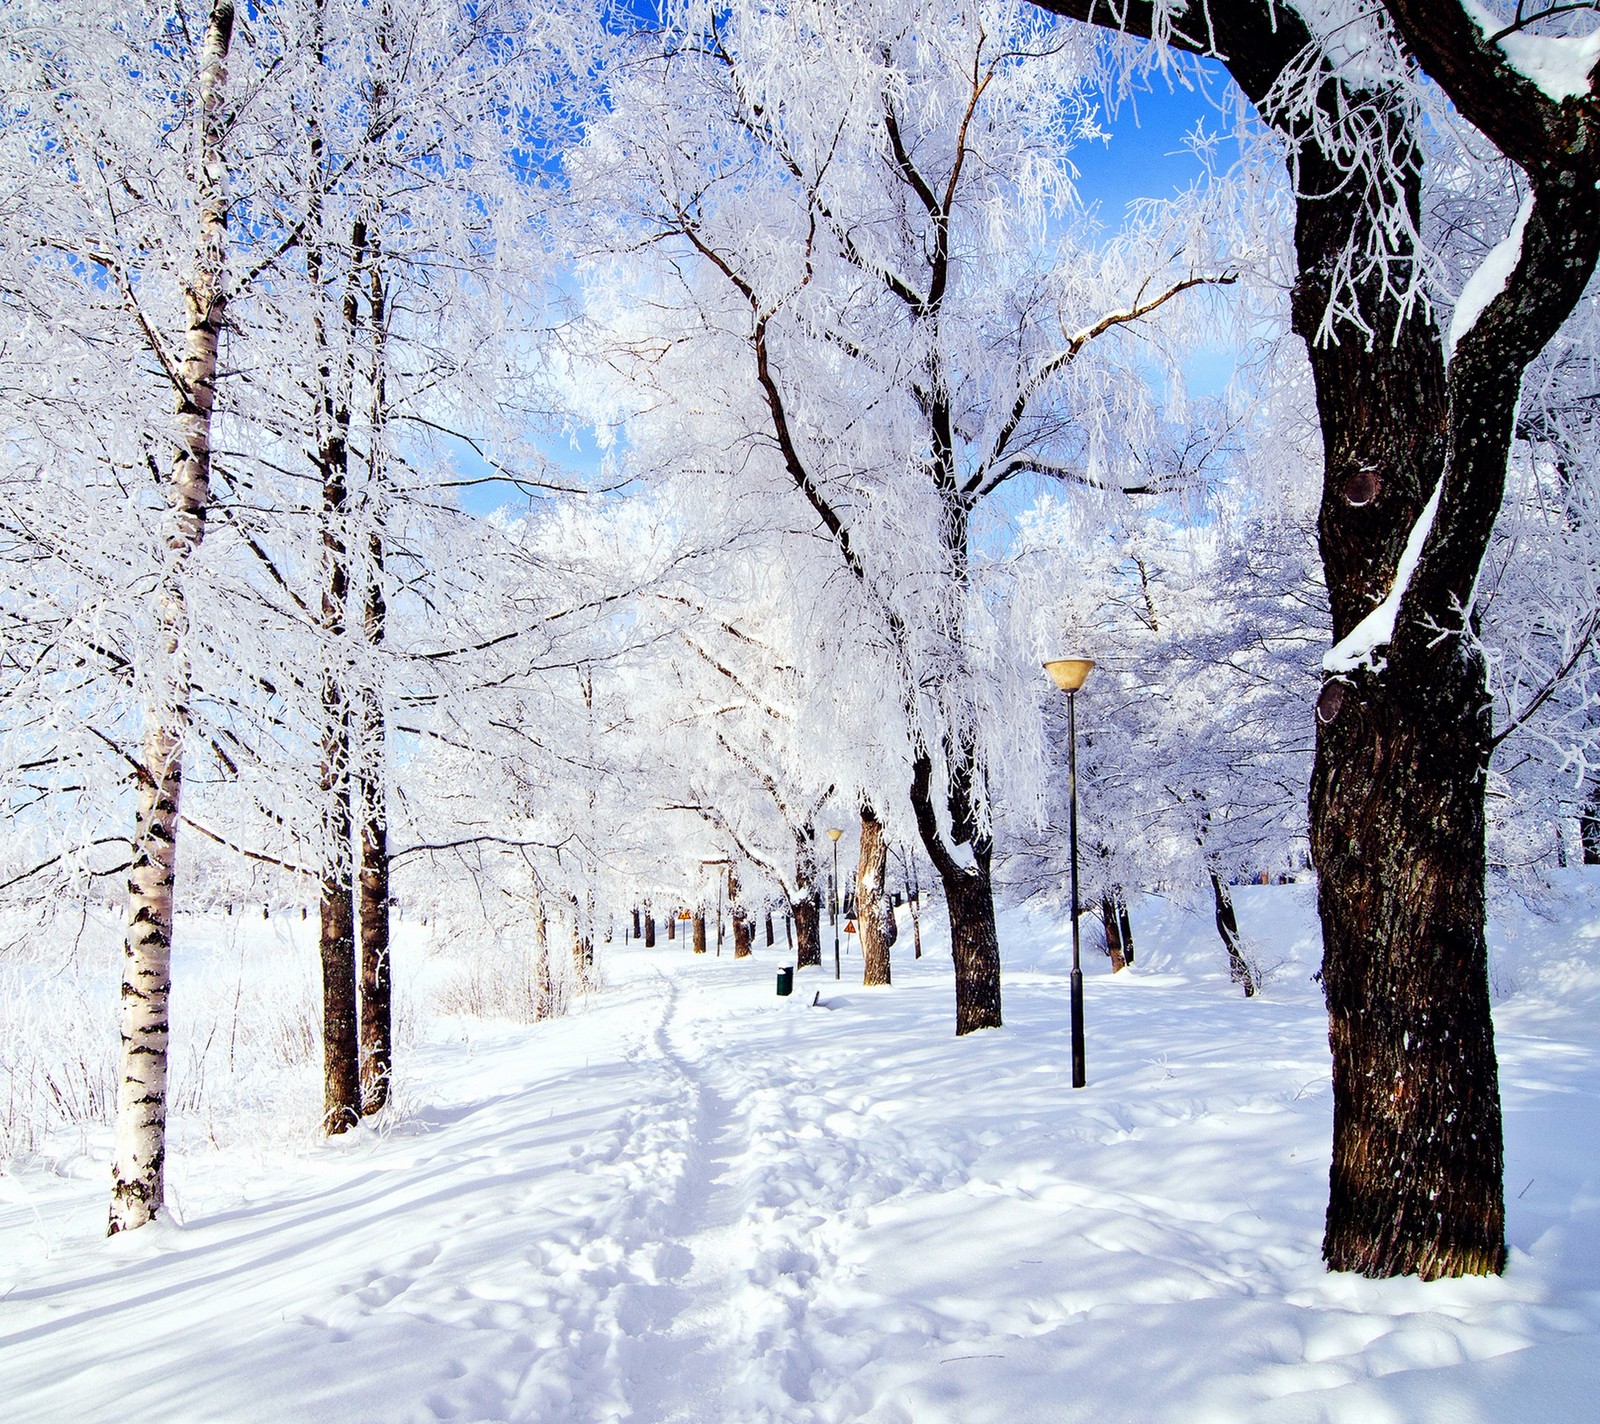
1559 65
1376 630
1484 285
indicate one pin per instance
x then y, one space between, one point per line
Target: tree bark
1396 803
376 1015
1239 970
740 916
138 1167
969 903
803 906
650 926
1126 925
1113 924
874 914
699 930
341 1063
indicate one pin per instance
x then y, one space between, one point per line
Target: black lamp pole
1069 674
1080 1072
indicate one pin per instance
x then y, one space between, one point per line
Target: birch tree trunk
874 913
139 1156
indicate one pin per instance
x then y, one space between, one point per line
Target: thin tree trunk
874 914
376 986
340 1039
1113 923
1228 928
138 1167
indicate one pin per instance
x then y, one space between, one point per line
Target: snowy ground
695 1201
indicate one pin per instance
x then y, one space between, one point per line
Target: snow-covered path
699 1202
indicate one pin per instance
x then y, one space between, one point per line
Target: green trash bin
785 981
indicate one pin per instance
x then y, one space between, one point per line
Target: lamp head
1069 674
834 835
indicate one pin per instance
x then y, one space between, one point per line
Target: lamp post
834 837
1069 675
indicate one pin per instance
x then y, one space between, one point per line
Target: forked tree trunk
1113 924
969 900
874 913
138 1174
1239 970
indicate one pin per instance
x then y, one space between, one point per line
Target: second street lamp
1069 675
834 837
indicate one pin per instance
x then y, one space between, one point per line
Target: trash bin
785 981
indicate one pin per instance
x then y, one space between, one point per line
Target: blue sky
1145 157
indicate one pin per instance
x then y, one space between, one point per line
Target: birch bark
139 1160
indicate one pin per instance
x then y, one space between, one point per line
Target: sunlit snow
696 1201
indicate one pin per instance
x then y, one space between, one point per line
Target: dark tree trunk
672 927
1113 923
636 933
377 994
1589 830
376 987
874 916
740 917
1126 925
769 928
1397 810
1239 970
804 903
650 926
808 933
699 931
331 419
968 897
1398 836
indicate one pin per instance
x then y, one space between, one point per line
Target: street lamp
1069 675
834 837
